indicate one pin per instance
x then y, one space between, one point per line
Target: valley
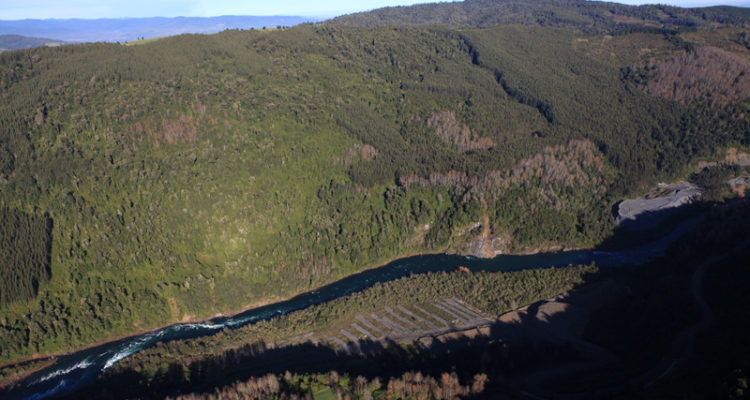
205 199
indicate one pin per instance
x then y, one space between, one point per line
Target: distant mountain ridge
127 29
15 42
594 16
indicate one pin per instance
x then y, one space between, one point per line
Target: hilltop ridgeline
587 16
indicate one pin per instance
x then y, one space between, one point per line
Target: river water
78 369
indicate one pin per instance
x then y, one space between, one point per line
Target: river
75 370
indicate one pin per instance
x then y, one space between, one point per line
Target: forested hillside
204 174
15 42
25 244
579 14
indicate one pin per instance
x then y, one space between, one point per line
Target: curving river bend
78 369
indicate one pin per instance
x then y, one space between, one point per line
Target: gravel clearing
634 213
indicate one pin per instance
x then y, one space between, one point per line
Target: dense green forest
590 17
202 174
25 245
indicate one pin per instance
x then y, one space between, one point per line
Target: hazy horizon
15 10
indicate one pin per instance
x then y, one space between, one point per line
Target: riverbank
17 373
332 322
90 360
446 250
205 319
81 367
420 288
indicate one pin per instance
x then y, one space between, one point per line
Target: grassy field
141 41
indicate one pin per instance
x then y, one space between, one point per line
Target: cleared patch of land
631 212
402 324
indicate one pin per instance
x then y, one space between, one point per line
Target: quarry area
647 211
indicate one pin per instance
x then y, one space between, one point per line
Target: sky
43 9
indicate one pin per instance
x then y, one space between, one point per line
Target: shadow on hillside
616 326
533 351
466 356
649 226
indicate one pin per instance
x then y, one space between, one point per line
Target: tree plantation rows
193 362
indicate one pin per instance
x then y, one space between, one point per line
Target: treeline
589 17
307 386
25 246
714 180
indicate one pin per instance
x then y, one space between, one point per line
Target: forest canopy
204 174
